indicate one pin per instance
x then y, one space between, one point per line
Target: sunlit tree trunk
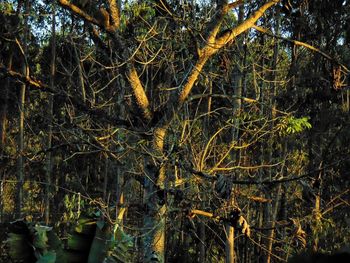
316 218
154 219
230 244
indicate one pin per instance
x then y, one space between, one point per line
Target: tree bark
48 187
271 233
273 210
3 128
3 108
230 244
201 242
20 143
155 203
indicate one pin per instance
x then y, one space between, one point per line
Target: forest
174 131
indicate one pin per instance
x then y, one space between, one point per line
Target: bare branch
299 43
38 85
234 4
25 79
215 23
139 93
247 24
79 12
215 44
115 14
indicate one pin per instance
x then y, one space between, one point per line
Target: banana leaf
49 257
101 243
19 248
90 241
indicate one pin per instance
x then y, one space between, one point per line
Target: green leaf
79 242
49 257
40 236
18 247
101 243
86 225
100 224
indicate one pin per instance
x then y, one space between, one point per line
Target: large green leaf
79 242
56 245
49 257
122 244
90 241
101 243
18 242
19 247
40 240
86 225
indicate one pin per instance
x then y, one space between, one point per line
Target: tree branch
139 93
247 24
299 43
38 85
115 14
25 79
215 23
212 46
79 12
265 182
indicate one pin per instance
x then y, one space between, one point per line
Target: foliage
90 241
292 125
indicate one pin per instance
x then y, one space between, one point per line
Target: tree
180 112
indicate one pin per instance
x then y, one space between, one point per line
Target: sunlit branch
79 12
115 14
139 93
214 177
247 24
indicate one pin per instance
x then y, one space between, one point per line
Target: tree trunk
201 242
229 246
238 90
154 219
3 128
20 162
273 223
3 108
273 211
316 218
48 187
20 143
